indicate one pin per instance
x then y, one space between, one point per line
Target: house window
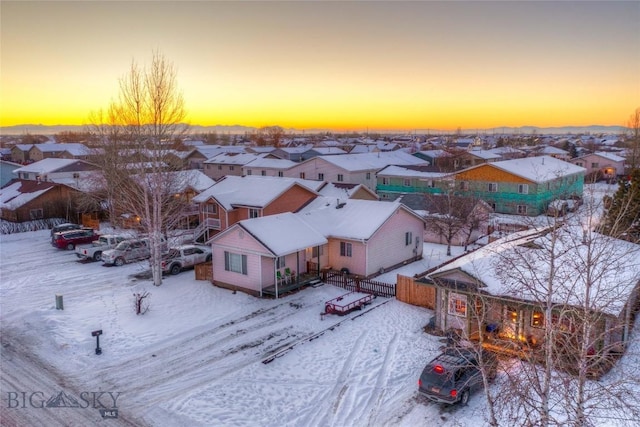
537 319
76 175
345 249
522 209
493 206
464 185
249 171
408 238
457 304
368 176
595 165
492 187
385 181
430 184
579 164
280 262
320 177
407 182
301 175
35 214
512 315
231 168
210 208
280 174
523 188
235 262
317 251
562 323
340 177
254 213
219 167
263 173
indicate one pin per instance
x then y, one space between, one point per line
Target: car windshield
122 246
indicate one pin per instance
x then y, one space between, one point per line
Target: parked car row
120 249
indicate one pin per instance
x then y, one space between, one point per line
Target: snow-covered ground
197 357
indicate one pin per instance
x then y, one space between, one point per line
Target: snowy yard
196 358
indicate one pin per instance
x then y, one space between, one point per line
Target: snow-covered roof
609 156
329 150
399 171
348 218
297 150
553 150
233 158
251 190
506 150
435 153
18 193
46 166
342 190
372 161
612 280
211 150
73 148
536 169
263 162
275 233
485 154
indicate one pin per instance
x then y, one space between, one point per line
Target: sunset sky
332 65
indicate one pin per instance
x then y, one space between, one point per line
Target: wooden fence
204 271
407 290
352 282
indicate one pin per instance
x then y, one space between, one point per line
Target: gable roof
266 162
610 287
399 171
52 165
233 158
343 190
536 169
355 219
19 192
250 190
275 233
371 161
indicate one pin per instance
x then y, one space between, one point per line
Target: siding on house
387 246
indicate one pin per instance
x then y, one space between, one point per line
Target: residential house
294 153
27 200
351 168
552 151
343 191
234 198
70 172
365 237
434 157
267 166
262 255
509 309
521 186
196 157
6 171
324 151
397 181
507 153
225 164
63 151
607 165
20 153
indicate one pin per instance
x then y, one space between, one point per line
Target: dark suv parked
455 373
69 239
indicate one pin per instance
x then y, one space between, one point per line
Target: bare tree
138 131
585 286
633 140
450 217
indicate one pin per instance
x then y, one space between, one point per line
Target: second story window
464 185
320 177
301 175
340 177
231 168
368 176
210 208
407 182
263 173
280 174
249 172
492 187
523 188
254 213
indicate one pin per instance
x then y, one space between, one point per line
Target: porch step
316 283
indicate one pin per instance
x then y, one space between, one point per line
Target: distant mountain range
38 129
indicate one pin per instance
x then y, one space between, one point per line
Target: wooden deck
298 283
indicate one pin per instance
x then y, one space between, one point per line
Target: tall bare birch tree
138 130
